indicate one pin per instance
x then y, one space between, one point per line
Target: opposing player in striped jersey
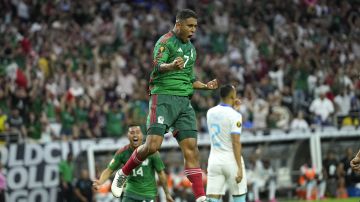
226 165
141 184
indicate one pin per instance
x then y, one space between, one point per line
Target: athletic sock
132 163
195 177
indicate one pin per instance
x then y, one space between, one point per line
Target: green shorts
173 111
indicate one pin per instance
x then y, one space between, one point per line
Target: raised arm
161 57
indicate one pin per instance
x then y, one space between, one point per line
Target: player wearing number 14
141 184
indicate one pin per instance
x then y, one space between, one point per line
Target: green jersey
66 169
177 82
141 181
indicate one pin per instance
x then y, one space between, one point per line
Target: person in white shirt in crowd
342 103
226 165
261 177
299 123
322 108
260 112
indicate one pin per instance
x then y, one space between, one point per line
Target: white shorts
220 175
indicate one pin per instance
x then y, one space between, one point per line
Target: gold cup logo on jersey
238 124
161 119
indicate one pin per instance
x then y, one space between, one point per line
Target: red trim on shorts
175 133
153 109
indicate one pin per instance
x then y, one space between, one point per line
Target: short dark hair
184 14
133 125
225 90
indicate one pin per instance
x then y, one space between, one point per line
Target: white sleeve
331 106
236 124
313 106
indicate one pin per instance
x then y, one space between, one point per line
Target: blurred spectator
299 123
262 177
330 174
279 116
260 110
34 127
342 103
322 108
17 125
114 120
83 189
307 181
67 123
3 122
299 84
66 171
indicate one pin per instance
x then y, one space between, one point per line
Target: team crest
238 124
162 48
161 119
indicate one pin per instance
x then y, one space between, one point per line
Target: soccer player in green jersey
172 83
141 184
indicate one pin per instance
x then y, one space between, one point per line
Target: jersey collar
178 37
224 105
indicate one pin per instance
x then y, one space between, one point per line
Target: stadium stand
78 70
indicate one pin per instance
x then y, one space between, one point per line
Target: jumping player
171 85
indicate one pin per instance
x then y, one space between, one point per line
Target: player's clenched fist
178 63
239 176
237 104
212 85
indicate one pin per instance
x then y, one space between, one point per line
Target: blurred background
74 74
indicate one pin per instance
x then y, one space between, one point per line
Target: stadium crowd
79 69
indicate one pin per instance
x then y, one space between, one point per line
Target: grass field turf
326 200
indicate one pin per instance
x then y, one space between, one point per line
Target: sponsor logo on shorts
161 119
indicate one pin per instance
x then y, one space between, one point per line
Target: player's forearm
199 85
358 154
237 152
163 181
166 67
105 175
